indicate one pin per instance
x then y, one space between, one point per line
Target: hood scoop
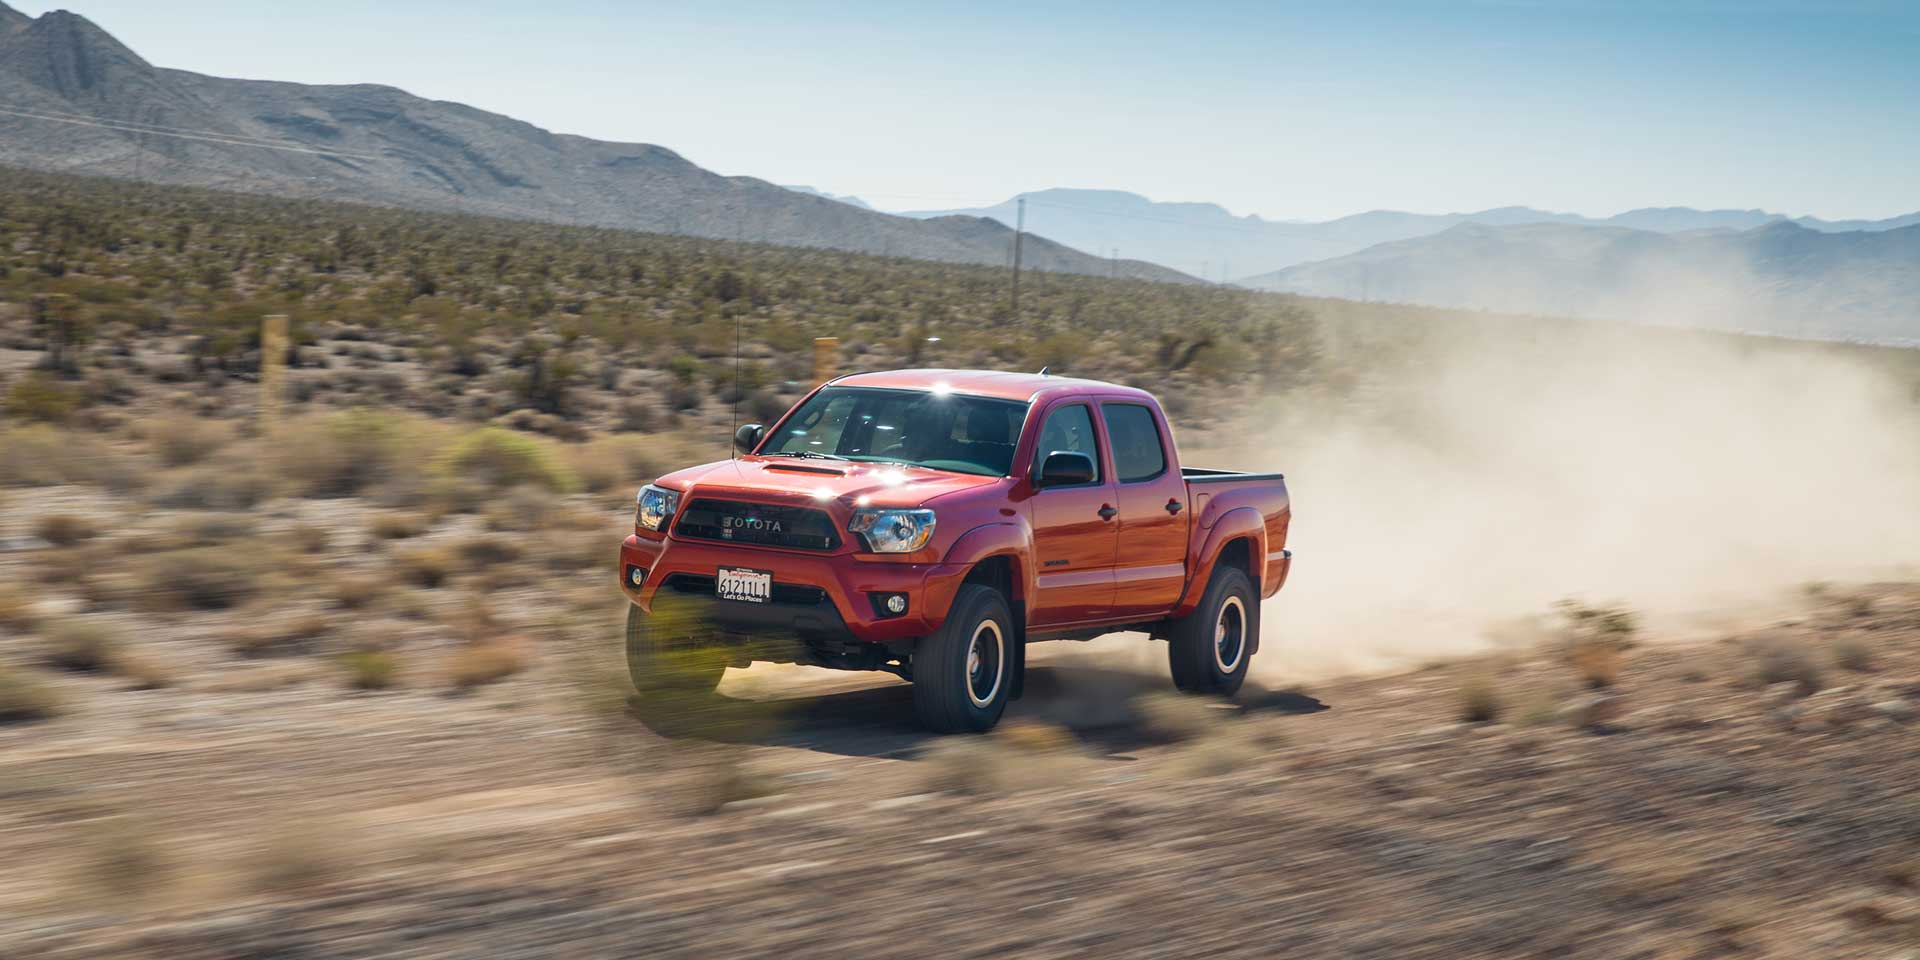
796 468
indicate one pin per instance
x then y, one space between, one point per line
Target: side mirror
748 437
1064 468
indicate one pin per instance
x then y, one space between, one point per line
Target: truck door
1074 528
1150 566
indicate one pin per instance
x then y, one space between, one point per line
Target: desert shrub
293 635
1853 653
143 671
38 396
483 552
123 861
502 459
370 669
358 591
40 455
297 858
397 526
618 463
427 566
309 539
486 661
17 610
83 646
1479 701
233 484
64 529
637 416
1596 639
343 454
199 578
24 697
182 440
522 508
1784 661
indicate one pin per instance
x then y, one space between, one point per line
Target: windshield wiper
807 455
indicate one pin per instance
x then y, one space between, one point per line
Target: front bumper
817 597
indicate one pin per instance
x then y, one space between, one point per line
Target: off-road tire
665 667
956 693
1201 662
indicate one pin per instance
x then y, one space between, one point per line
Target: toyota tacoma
933 524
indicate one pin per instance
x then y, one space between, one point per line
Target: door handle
1107 512
1175 506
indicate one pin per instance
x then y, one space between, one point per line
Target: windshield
940 431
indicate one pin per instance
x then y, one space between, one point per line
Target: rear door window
1137 452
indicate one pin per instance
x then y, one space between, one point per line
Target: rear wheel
962 671
1209 648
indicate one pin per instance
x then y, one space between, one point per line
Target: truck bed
1202 475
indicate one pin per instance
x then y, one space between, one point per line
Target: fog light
889 604
636 575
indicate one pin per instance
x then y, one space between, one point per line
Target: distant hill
1778 278
1203 238
74 99
817 192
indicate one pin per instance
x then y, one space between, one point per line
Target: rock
1593 710
1899 711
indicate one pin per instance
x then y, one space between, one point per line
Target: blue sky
1291 111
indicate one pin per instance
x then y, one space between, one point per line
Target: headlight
893 531
655 507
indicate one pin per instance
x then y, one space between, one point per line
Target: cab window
1069 428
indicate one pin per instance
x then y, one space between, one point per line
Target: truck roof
985 383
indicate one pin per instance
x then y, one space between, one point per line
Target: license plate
739 583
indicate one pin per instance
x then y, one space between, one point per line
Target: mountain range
75 99
1205 240
1780 278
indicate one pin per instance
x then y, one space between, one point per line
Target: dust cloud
1694 478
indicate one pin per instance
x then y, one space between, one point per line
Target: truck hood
786 480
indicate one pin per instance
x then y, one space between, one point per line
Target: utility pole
1019 230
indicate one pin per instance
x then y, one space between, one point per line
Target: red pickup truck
933 523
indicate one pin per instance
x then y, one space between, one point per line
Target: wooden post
273 365
826 358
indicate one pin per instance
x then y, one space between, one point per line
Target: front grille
764 524
794 594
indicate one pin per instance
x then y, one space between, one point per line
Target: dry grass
716 777
482 552
1598 665
371 669
298 858
483 662
1215 756
25 697
65 529
17 608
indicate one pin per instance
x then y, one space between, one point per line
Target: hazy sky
1301 111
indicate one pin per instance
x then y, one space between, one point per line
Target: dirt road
1687 811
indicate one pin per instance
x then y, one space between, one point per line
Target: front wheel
667 658
1209 648
962 671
